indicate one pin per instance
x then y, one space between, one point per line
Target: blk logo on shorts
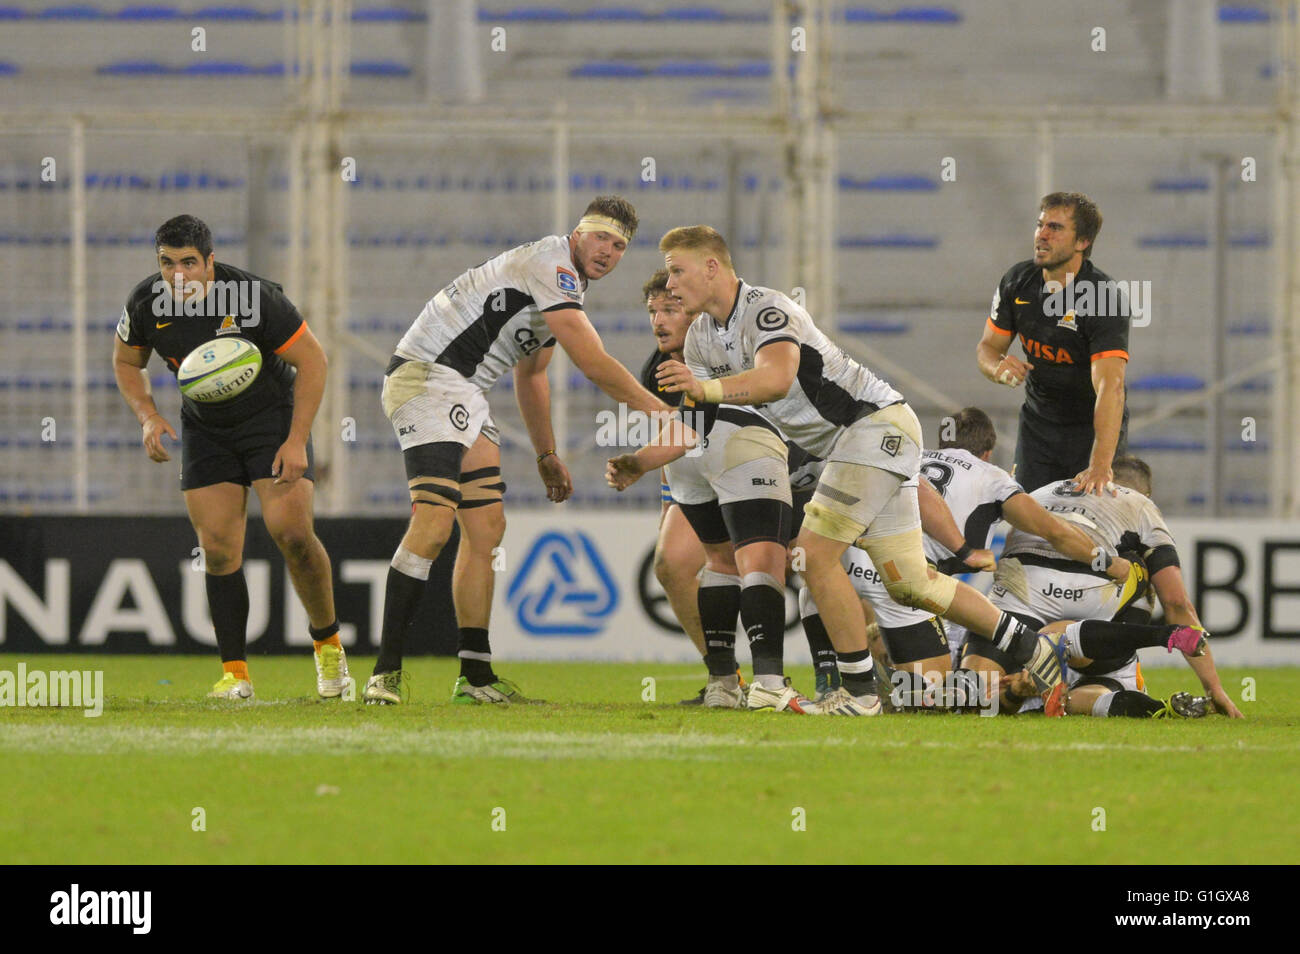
891 445
459 417
408 429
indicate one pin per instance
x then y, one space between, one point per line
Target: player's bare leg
218 514
287 513
679 557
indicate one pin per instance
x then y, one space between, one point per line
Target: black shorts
923 640
237 455
1047 452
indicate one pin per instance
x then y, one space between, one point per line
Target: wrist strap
545 454
965 551
713 391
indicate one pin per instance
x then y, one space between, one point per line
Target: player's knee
925 589
487 528
221 560
429 530
295 543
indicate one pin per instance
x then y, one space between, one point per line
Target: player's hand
290 461
1011 371
1095 480
559 485
673 376
979 560
623 471
1119 569
1223 705
153 429
1020 684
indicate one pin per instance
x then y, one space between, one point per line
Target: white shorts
889 439
429 403
740 461
869 586
1051 594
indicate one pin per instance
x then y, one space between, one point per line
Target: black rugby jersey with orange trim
651 383
1061 334
276 325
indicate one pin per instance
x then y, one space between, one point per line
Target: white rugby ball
219 370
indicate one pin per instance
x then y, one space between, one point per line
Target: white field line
481 743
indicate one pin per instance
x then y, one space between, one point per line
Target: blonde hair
697 238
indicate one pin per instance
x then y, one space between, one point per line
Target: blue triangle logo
563 587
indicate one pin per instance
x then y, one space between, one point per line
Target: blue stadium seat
870 327
889 240
12 13
1167 382
71 12
527 14
1237 14
696 14
387 15
219 68
134 68
1181 184
621 14
222 12
1168 444
931 15
1251 326
1255 239
8 69
608 70
690 68
379 68
154 12
897 182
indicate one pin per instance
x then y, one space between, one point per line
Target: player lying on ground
261 437
975 496
507 313
760 348
1040 588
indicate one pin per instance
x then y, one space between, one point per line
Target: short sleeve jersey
1129 520
974 491
651 383
830 390
494 315
238 304
1062 332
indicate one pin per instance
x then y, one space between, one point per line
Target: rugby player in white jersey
507 313
734 491
978 495
760 348
1040 587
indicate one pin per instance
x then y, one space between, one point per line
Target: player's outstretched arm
775 366
1026 514
128 370
533 395
937 522
308 357
1171 590
578 338
1107 415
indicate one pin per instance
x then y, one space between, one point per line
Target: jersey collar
735 305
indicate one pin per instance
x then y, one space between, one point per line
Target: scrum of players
813 467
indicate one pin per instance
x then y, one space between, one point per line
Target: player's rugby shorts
239 454
744 459
428 403
1125 677
1041 587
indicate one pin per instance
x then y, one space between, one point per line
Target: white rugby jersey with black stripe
974 491
493 316
830 390
1129 520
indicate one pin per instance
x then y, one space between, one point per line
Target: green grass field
601 776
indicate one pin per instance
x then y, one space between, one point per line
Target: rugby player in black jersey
260 438
1074 418
679 555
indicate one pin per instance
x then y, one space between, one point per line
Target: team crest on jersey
753 295
228 326
567 281
770 319
124 326
1068 322
891 445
